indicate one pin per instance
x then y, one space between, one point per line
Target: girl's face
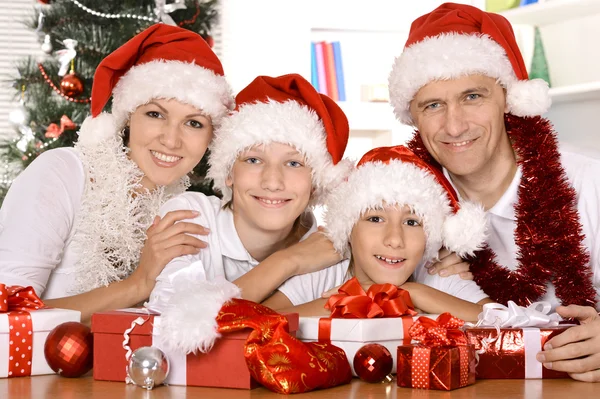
387 245
167 140
271 186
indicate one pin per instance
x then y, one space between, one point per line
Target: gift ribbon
381 300
17 301
515 316
54 131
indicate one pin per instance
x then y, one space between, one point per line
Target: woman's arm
430 300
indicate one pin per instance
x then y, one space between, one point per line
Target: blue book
314 73
339 71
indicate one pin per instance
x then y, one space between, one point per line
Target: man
462 83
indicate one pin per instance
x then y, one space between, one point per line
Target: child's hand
313 254
450 264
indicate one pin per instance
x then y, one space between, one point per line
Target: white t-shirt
583 173
36 224
224 258
308 287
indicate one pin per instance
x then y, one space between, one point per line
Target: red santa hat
285 109
456 40
163 61
396 176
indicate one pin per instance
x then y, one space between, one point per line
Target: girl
393 214
274 156
73 224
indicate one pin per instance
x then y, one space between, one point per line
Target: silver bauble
148 367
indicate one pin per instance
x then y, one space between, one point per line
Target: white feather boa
110 226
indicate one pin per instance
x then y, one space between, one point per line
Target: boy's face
271 185
387 245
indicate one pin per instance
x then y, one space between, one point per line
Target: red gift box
223 367
441 367
512 352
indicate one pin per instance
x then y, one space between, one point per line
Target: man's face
461 122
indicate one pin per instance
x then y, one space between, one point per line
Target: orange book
329 59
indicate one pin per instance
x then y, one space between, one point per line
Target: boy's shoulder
207 206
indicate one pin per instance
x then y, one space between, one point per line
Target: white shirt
583 173
36 224
308 287
224 258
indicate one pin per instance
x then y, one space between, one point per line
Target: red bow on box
441 332
381 300
17 302
55 131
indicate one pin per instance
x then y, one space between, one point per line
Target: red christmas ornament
373 363
71 85
68 349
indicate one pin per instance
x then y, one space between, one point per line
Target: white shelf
552 11
369 116
576 93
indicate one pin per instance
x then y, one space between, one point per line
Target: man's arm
577 350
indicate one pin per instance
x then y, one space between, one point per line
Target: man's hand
450 264
577 350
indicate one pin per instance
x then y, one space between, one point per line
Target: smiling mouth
460 143
164 157
390 261
272 202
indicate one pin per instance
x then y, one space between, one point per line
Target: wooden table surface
52 386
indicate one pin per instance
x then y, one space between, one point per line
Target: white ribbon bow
515 316
66 55
162 10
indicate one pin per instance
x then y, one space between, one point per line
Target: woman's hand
450 264
313 254
167 238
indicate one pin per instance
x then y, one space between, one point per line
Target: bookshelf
569 29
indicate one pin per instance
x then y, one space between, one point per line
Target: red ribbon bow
441 332
55 131
17 302
381 300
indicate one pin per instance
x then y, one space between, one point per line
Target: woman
74 224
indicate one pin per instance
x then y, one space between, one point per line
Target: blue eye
473 96
295 164
432 106
252 160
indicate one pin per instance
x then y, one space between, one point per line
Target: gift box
511 352
441 360
223 367
353 334
442 367
32 361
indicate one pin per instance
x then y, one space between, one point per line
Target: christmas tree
54 90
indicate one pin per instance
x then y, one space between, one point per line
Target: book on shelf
327 71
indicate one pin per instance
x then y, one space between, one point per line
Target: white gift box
43 321
353 334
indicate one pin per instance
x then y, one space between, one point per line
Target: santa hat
456 40
285 109
396 176
163 61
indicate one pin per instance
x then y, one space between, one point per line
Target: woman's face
387 245
271 186
167 140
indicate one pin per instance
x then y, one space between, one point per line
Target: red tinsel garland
548 233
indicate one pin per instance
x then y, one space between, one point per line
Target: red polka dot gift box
24 326
440 360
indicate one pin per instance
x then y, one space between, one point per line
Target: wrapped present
508 338
382 315
441 360
224 366
24 327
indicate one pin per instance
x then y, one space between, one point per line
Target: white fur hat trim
454 55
